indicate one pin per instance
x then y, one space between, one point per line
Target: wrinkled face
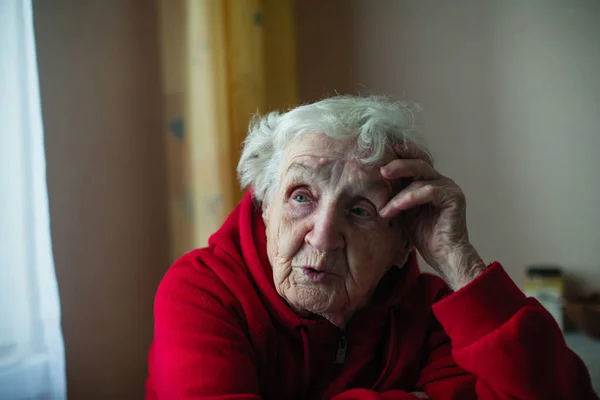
326 242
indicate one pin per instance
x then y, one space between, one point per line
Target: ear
265 211
402 255
404 249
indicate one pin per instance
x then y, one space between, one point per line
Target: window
31 346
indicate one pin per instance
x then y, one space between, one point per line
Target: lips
316 274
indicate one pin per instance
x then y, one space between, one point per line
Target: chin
314 300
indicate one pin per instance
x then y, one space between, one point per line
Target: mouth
316 275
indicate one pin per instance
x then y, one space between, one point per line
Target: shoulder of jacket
203 273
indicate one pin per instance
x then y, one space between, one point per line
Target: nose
326 233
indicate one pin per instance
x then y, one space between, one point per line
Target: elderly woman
311 288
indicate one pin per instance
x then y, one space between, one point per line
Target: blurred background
145 104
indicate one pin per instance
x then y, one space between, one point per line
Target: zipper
340 357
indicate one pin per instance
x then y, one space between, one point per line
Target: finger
409 168
402 201
412 150
417 193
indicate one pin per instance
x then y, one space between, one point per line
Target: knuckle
431 189
395 202
411 196
423 163
393 166
398 162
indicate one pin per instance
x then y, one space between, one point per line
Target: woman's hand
435 213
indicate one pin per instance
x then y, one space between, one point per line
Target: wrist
464 265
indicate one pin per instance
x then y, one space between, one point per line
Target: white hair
374 122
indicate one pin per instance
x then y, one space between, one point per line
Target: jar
546 284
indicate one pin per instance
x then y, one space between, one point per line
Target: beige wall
511 93
100 91
325 57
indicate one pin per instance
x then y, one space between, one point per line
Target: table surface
588 350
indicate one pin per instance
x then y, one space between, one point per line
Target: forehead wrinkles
361 178
323 169
309 164
339 175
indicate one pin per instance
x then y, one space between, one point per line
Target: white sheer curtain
32 362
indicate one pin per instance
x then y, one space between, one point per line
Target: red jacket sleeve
510 343
198 340
494 343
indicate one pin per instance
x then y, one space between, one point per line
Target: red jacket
222 331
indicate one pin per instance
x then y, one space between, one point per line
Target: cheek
284 240
374 256
366 262
285 237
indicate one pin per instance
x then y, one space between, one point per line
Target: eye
301 198
301 195
360 212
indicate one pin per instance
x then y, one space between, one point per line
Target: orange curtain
222 61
